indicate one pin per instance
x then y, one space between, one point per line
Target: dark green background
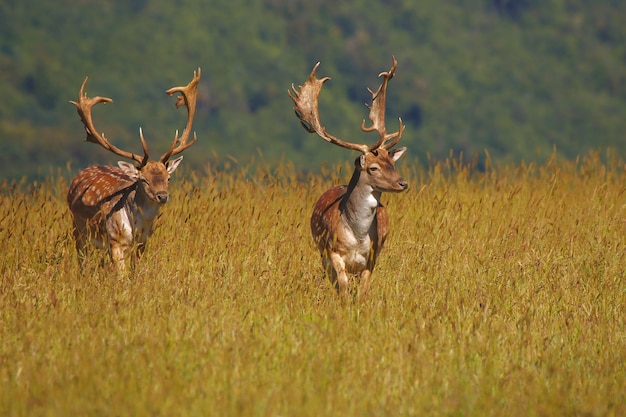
517 78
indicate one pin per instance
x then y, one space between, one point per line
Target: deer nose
403 184
162 197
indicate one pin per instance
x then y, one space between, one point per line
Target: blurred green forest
514 77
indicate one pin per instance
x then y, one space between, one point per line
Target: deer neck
359 205
144 208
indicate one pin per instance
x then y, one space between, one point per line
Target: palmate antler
377 113
188 98
84 106
306 101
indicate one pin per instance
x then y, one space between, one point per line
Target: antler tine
395 138
84 106
144 161
188 97
306 102
377 112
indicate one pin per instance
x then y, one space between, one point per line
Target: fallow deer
349 224
115 207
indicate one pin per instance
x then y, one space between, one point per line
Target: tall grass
498 293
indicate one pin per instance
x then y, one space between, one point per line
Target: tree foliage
515 77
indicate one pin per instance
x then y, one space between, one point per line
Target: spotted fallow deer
349 224
115 207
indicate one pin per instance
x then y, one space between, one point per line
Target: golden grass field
500 293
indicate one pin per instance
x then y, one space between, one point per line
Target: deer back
97 188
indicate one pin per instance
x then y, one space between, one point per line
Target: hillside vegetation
498 293
515 77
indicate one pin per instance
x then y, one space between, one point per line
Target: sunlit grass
497 293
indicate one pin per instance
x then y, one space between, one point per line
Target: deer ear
128 168
397 153
360 161
172 165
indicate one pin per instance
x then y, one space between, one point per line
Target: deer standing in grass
349 224
115 207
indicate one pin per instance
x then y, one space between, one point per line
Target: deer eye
373 168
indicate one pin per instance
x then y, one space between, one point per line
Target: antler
306 107
84 106
188 98
377 113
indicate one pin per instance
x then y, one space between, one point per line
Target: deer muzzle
162 197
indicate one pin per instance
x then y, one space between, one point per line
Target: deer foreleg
337 269
365 282
118 255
